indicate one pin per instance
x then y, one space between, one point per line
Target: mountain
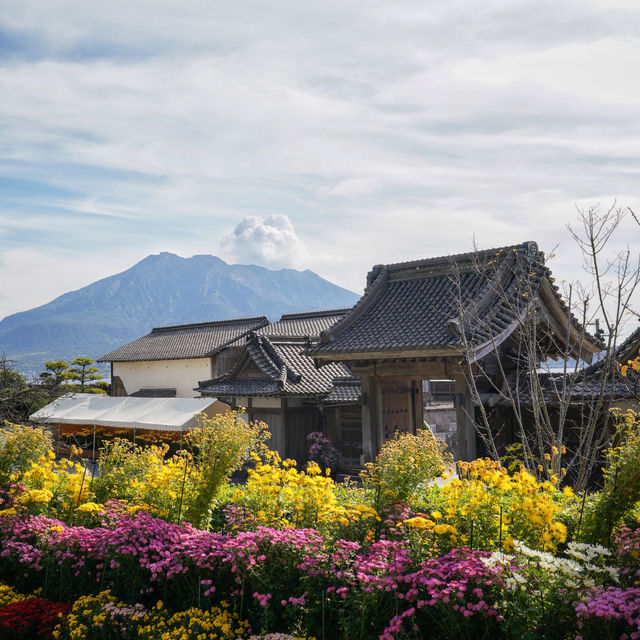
160 290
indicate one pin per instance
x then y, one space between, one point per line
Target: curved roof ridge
458 257
212 323
313 314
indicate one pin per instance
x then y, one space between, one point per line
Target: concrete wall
181 375
442 420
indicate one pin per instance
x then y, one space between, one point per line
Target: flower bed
291 579
489 554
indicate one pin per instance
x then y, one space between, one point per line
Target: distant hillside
160 290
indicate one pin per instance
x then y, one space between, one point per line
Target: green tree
59 377
88 377
56 375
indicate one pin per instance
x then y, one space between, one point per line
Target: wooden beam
390 355
430 369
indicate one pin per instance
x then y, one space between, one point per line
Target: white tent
157 414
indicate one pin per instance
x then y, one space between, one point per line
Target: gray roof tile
177 342
303 325
344 391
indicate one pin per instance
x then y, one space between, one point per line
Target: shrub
621 492
220 445
19 447
217 623
51 486
609 613
31 618
404 463
488 508
105 616
278 494
144 477
9 595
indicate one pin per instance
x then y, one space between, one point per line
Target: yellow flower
418 523
91 507
39 495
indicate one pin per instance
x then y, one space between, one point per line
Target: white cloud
602 71
381 132
270 242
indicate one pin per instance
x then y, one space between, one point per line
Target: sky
329 136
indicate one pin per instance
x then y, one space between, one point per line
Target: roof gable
285 369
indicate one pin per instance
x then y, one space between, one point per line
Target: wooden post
369 425
377 417
417 405
466 431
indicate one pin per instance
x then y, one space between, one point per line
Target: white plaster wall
181 375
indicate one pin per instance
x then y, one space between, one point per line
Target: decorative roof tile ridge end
211 323
376 281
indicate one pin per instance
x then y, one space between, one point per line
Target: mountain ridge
161 289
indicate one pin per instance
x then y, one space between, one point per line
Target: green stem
184 479
323 637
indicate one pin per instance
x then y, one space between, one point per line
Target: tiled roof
415 307
285 370
589 380
310 324
344 391
298 326
200 340
585 384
